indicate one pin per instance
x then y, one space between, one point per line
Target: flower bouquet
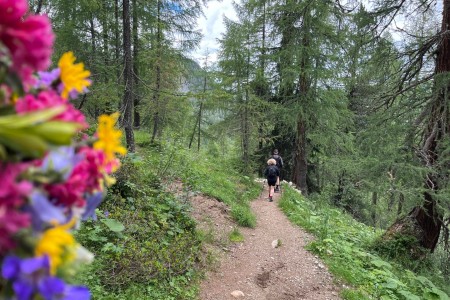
52 175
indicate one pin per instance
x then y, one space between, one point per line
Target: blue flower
53 288
46 79
92 201
25 274
30 277
44 211
62 160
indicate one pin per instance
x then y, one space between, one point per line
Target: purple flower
46 79
43 211
92 201
73 94
30 277
25 274
14 268
11 267
62 160
53 288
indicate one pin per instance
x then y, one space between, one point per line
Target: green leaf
381 264
24 143
424 281
408 295
441 294
431 295
29 119
113 225
58 133
390 284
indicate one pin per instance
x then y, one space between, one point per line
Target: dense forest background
354 94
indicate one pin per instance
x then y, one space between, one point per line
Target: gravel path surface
256 269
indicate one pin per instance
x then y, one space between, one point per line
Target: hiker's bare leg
271 190
277 186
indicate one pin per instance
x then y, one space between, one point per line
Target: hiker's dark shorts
271 182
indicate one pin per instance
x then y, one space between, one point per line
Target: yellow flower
73 76
109 137
58 244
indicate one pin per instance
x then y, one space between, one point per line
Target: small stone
275 243
237 294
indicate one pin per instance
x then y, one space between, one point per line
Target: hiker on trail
279 165
271 173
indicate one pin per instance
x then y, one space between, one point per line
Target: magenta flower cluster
28 38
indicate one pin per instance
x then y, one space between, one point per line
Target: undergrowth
346 246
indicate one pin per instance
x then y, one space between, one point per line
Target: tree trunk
93 45
137 96
39 7
128 77
374 205
425 222
116 36
104 16
300 163
401 200
245 116
156 104
200 110
300 155
199 125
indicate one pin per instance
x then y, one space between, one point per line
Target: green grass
345 246
217 178
236 236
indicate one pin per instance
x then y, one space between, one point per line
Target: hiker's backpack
278 160
272 172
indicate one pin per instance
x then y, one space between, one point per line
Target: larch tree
128 100
432 124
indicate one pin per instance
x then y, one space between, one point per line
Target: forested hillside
354 94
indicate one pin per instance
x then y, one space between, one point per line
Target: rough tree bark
156 96
137 96
128 78
300 151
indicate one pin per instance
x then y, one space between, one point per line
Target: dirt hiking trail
256 269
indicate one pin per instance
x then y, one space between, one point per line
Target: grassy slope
344 244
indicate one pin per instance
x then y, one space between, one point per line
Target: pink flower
86 177
13 191
12 10
29 39
48 99
12 194
71 192
93 166
11 221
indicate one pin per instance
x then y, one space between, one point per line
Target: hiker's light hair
271 162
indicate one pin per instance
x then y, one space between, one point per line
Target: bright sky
212 28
